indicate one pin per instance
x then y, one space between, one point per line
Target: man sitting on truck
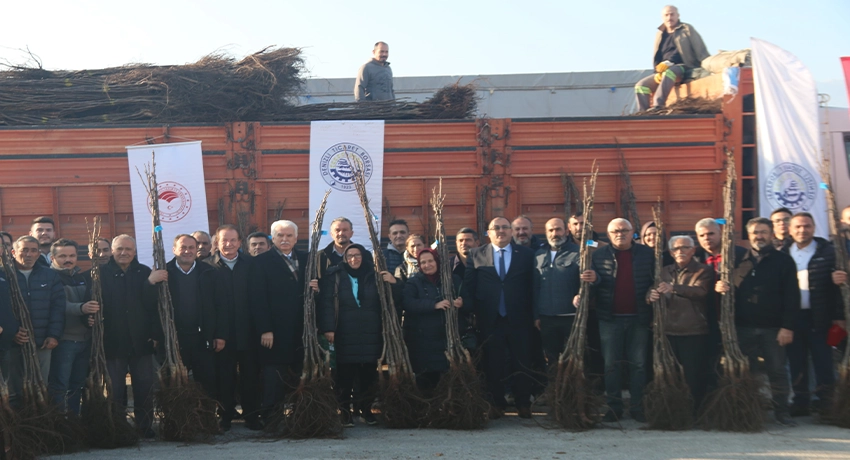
679 50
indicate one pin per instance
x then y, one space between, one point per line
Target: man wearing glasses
767 302
686 285
781 219
625 273
498 277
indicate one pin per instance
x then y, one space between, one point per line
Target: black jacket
824 295
8 321
45 298
233 300
130 310
424 325
604 263
766 293
357 329
211 322
482 281
279 306
328 258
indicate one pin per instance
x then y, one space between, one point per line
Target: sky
437 37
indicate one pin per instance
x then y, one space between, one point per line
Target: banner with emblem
333 146
182 194
788 134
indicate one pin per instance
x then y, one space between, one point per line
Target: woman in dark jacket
350 318
425 319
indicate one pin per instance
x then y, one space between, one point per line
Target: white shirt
496 255
802 257
184 271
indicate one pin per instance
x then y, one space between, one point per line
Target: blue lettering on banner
337 169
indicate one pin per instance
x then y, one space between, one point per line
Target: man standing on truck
677 57
375 78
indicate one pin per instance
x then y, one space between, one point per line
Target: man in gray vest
375 78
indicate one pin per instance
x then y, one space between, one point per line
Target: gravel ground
512 437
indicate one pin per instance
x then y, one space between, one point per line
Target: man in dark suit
499 279
233 296
279 312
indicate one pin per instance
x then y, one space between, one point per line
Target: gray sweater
77 292
374 82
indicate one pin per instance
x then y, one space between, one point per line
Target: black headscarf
367 265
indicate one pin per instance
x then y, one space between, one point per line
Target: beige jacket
686 305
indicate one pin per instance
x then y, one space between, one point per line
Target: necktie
503 310
502 264
293 265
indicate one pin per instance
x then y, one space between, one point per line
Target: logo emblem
174 201
337 168
791 186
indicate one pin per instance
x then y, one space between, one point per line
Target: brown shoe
524 412
496 413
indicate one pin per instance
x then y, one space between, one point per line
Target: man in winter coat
45 299
820 307
626 272
69 364
192 285
131 327
767 302
677 56
278 312
557 278
235 271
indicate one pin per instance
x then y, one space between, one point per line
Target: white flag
182 195
332 143
788 133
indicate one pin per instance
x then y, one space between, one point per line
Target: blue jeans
69 367
625 338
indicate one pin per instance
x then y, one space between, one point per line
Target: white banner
331 144
788 133
182 195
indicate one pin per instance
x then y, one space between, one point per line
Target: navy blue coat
44 294
425 326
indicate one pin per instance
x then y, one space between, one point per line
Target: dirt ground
512 437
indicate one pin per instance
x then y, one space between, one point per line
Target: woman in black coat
350 318
425 319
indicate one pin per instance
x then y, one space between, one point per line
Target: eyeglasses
354 256
500 227
682 248
621 231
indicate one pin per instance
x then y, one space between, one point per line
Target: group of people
239 311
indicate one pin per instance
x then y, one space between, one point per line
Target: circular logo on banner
337 168
791 186
174 201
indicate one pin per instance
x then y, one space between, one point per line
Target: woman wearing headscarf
425 319
350 318
410 266
649 236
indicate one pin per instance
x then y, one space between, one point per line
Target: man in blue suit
499 278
